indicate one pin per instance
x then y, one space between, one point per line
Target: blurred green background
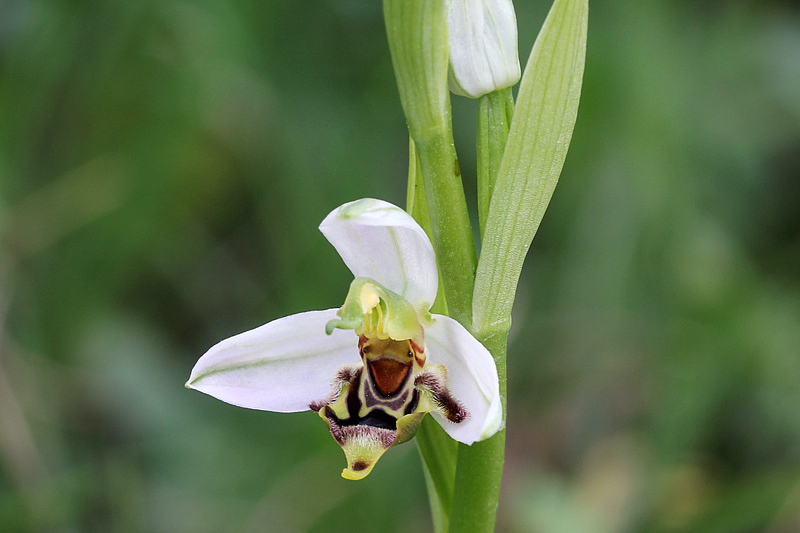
164 165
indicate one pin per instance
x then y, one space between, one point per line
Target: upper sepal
380 241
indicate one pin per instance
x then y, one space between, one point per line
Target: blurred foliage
164 165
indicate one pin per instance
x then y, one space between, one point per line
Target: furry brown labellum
389 375
389 363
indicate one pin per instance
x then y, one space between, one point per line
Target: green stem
479 469
495 111
416 201
437 450
450 225
480 466
439 454
417 35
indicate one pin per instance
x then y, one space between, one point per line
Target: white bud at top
483 46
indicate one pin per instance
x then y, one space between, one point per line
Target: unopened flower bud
483 46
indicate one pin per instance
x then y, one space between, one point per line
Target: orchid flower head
373 368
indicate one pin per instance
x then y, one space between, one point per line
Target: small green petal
373 310
407 427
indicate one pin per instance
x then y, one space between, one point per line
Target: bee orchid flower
373 368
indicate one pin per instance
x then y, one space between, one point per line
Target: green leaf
540 132
544 117
438 452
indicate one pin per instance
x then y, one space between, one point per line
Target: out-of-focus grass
163 167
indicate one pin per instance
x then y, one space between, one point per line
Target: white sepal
281 366
472 379
379 240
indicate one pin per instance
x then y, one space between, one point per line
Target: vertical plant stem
480 466
417 34
513 195
437 450
416 201
495 111
450 225
439 455
479 469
